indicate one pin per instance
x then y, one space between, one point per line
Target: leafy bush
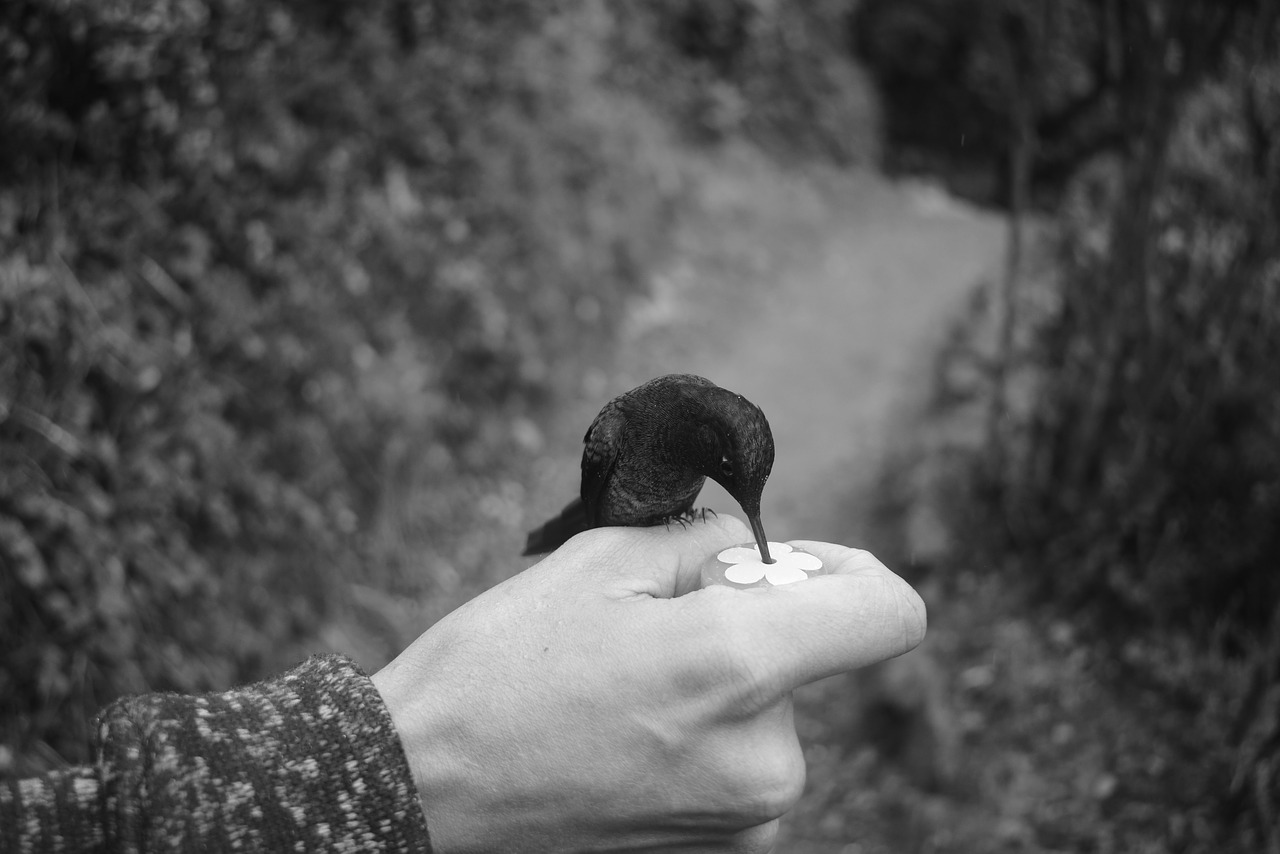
1146 461
1145 452
1130 475
257 261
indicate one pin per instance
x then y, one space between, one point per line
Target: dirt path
821 296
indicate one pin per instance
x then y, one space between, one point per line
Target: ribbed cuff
309 761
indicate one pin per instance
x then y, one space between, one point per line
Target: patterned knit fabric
309 761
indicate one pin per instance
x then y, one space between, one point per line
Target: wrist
433 746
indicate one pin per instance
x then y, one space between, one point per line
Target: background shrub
259 263
1129 483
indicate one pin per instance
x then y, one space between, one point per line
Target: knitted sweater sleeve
309 761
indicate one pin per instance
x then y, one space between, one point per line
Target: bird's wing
600 448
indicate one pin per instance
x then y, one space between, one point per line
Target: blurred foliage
776 73
1147 449
261 264
1145 480
1133 480
952 73
1147 453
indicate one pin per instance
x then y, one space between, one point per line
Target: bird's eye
726 467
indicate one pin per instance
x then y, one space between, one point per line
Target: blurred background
305 306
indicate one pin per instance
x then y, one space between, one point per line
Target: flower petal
783 573
745 573
805 561
739 554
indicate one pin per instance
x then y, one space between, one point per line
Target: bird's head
733 446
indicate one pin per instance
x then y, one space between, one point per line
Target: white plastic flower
789 565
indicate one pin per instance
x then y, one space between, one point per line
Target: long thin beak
757 528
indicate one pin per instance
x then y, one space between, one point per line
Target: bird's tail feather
572 520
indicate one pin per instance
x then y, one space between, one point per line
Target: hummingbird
650 450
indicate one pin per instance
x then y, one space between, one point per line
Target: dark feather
649 451
555 533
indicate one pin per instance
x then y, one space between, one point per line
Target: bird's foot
688 517
681 519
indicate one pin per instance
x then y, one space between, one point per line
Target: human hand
599 702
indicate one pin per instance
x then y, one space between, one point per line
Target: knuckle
756 840
601 540
768 783
785 784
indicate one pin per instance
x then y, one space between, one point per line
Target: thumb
860 614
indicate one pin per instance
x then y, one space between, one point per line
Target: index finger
860 614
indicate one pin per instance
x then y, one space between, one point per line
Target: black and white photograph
537 426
